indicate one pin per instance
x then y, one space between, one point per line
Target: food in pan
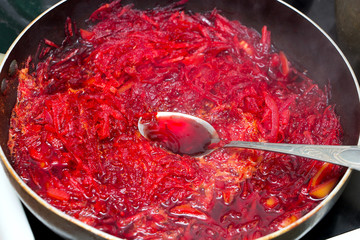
74 137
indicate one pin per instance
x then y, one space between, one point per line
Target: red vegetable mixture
75 142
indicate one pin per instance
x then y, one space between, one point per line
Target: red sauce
75 142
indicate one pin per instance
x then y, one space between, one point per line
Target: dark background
15 15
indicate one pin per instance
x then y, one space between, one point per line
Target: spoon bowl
347 156
179 133
160 115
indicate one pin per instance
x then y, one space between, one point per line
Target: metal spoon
348 156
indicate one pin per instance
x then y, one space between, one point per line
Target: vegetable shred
74 138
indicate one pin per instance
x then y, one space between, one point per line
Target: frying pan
306 46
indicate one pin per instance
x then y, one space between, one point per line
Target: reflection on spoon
185 134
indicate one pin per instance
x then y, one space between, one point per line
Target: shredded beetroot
75 142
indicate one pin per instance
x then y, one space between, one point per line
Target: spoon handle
348 156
